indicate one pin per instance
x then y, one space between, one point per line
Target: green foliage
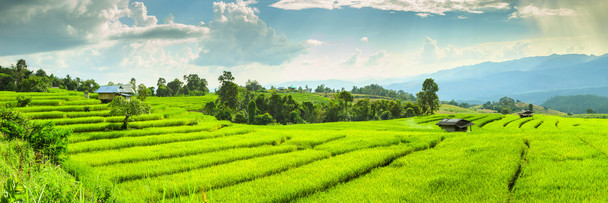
23 101
121 107
505 110
427 98
578 103
385 115
142 92
49 141
240 117
253 86
12 124
294 117
375 89
409 112
252 111
224 114
263 119
33 84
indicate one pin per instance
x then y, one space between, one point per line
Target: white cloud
438 7
313 42
169 19
237 36
40 25
139 13
375 58
531 11
364 39
462 17
423 15
352 60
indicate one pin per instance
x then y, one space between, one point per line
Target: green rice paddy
178 155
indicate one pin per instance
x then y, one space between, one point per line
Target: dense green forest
578 104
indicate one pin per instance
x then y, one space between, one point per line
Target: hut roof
526 112
461 123
125 90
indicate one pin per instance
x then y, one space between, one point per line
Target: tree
531 107
142 92
409 112
175 86
263 119
225 77
133 83
251 111
361 110
345 98
228 92
505 110
427 98
195 83
590 111
161 82
253 85
152 91
121 107
20 71
33 84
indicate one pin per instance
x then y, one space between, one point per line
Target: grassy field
177 155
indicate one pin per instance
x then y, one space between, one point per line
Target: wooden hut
455 125
107 93
525 113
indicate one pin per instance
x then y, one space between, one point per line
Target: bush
23 101
409 112
240 117
263 119
385 115
223 114
12 124
49 141
294 117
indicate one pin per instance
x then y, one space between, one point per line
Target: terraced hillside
174 154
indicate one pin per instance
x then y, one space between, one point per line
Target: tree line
19 78
242 105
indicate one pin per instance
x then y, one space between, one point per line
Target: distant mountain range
531 79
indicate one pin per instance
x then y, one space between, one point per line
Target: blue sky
290 40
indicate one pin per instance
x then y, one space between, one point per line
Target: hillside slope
528 76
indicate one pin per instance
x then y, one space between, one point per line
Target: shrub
23 101
263 119
49 141
294 117
12 124
240 117
409 112
385 115
223 114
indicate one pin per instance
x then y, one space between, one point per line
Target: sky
278 41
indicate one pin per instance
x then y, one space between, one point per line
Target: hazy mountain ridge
531 79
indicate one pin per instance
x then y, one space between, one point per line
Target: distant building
107 93
525 113
455 125
281 88
292 87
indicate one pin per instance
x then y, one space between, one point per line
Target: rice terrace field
175 154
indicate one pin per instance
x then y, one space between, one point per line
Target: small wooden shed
525 113
107 93
455 125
